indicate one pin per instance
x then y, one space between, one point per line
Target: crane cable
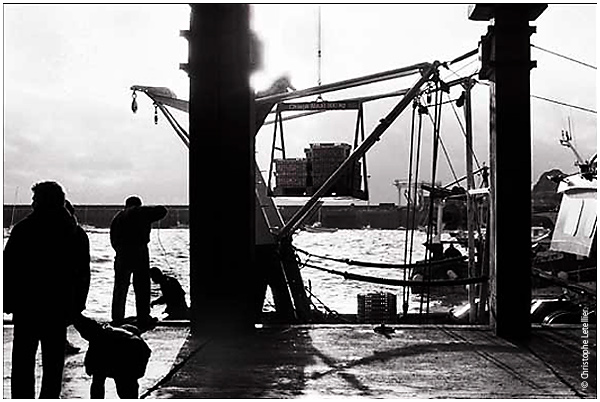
319 53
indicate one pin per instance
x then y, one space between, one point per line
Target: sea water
169 251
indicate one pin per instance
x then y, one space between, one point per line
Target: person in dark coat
173 295
46 281
114 352
129 236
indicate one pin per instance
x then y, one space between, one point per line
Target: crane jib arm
166 97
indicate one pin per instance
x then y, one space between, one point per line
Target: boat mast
471 205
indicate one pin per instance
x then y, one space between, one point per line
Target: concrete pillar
221 179
506 63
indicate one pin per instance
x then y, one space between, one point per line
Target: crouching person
114 352
173 296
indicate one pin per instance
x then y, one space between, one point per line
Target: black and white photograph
299 200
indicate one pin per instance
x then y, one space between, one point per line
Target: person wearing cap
46 281
129 237
116 352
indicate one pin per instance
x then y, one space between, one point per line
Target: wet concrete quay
323 361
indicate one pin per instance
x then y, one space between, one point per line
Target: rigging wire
564 57
455 72
417 165
446 155
436 142
464 132
448 159
412 223
408 208
564 104
552 100
12 214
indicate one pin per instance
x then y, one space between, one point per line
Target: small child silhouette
114 352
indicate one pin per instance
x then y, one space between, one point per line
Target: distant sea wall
383 216
545 204
99 216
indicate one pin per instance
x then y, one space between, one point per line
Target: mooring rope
582 290
330 313
400 282
347 261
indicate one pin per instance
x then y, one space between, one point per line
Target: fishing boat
564 260
317 227
571 254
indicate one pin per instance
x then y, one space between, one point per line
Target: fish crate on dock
377 308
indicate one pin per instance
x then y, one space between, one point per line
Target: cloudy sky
68 70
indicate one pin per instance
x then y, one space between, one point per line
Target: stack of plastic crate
324 159
290 176
377 308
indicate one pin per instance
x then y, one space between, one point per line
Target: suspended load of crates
303 176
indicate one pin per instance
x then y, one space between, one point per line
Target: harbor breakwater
383 216
98 216
544 199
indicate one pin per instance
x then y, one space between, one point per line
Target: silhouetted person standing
173 295
46 281
129 236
